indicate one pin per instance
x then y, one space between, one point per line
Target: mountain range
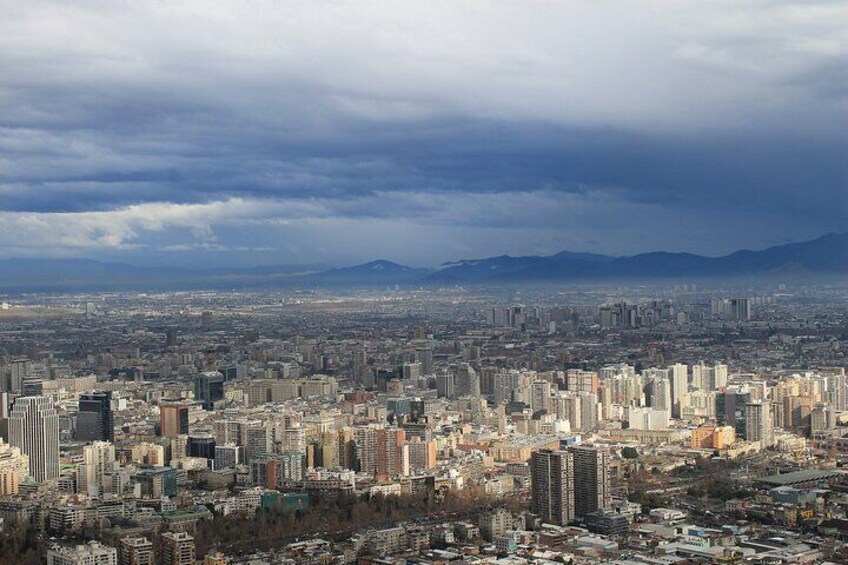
827 255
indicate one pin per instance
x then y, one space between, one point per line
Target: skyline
337 133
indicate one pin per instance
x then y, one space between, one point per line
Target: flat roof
799 477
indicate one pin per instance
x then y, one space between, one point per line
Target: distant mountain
827 255
380 272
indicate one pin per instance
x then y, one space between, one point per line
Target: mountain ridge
825 255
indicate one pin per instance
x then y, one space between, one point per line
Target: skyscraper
758 423
201 445
94 420
99 459
679 374
552 484
467 381
173 419
591 479
209 389
34 429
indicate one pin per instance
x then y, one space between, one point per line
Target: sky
251 132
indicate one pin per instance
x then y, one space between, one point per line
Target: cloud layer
421 131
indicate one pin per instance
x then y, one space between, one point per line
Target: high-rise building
411 371
592 490
679 375
758 423
201 445
173 418
209 389
467 381
660 392
34 429
135 551
171 337
99 459
228 456
425 357
178 548
94 419
446 385
552 484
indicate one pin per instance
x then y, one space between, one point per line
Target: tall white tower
34 429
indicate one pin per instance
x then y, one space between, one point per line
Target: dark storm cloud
308 128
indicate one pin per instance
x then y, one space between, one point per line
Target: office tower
92 553
135 551
822 420
720 375
679 375
32 386
446 385
660 392
228 456
731 308
588 412
201 445
259 442
99 459
34 429
411 371
758 426
552 484
171 337
592 490
173 418
424 356
467 381
209 389
177 549
94 419
19 370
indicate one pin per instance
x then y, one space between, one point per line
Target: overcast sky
254 132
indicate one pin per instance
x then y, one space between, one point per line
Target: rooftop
799 477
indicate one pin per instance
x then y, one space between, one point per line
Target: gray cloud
330 128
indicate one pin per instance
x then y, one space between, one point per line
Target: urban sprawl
628 425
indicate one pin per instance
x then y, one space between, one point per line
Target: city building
591 479
94 419
209 389
135 551
552 486
173 418
34 429
92 553
178 548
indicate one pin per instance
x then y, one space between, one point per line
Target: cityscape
596 424
370 282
